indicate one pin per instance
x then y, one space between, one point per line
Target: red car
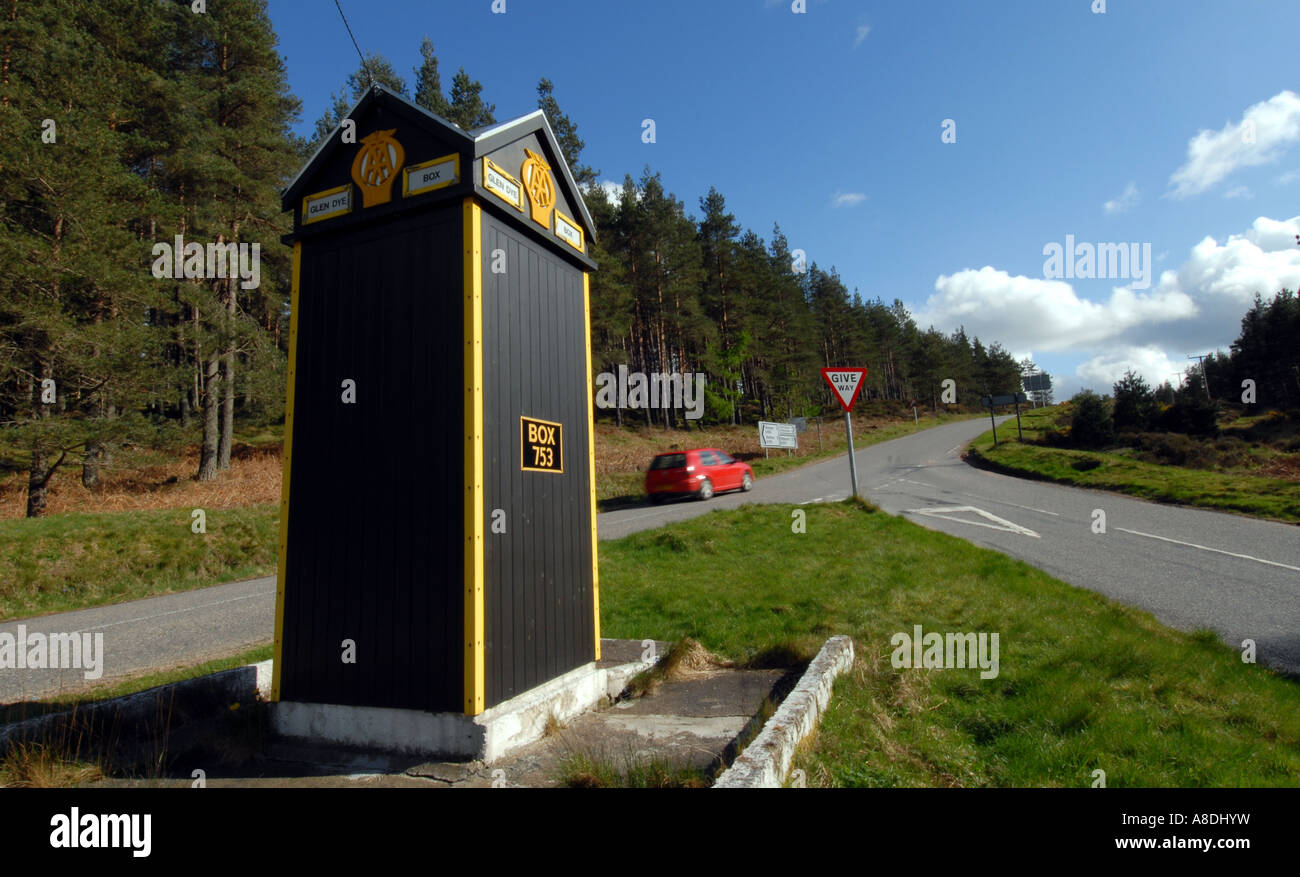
700 473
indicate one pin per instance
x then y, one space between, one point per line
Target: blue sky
1168 123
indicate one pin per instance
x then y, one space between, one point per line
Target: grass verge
78 560
1229 491
1084 683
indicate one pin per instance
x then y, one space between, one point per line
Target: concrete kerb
487 737
766 761
238 685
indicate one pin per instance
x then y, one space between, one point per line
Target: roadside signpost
991 402
777 435
847 383
1038 386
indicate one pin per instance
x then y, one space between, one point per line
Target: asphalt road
1190 568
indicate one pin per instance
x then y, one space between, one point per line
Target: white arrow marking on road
1207 548
998 523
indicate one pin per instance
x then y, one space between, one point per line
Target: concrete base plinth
485 737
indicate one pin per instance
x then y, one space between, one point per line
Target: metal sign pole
853 463
1020 434
994 422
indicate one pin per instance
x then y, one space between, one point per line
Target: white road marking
999 523
952 450
1207 548
1027 508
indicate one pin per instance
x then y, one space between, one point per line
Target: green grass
1084 683
1228 491
74 561
582 771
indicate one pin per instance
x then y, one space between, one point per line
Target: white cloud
1264 133
1101 372
847 199
1288 178
613 191
1124 202
1193 308
1239 192
861 36
1034 313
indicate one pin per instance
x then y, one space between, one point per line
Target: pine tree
428 82
69 363
566 132
467 108
374 69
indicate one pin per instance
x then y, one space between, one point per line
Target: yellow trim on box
591 461
560 217
278 662
473 270
346 187
406 175
504 196
525 468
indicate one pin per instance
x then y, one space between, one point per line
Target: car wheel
706 489
748 483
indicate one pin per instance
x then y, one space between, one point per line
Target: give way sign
846 382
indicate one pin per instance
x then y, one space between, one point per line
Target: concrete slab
690 722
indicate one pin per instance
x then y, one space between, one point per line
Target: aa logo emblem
539 186
375 167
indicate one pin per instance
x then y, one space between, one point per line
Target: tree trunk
90 464
211 418
228 383
37 480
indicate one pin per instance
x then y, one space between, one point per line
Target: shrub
1090 427
1191 416
1135 403
1174 449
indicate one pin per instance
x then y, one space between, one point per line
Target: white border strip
766 761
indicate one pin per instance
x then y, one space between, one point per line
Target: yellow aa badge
539 186
375 167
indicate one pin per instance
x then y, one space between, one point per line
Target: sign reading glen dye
323 205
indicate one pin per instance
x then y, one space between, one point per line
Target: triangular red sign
846 382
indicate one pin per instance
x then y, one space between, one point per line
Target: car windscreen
668 461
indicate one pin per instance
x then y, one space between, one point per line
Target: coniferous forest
128 125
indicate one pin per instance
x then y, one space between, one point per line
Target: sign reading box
431 175
501 184
541 444
327 204
568 231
